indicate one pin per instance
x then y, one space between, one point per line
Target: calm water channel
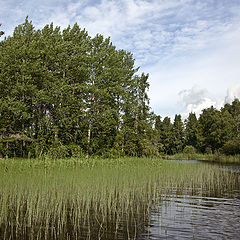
201 214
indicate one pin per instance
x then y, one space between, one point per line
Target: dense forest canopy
64 93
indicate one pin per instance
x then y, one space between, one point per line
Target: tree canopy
65 93
67 90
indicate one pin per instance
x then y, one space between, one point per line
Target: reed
204 157
93 198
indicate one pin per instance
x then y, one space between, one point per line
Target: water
202 215
160 200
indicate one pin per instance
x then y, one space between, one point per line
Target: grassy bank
204 157
94 198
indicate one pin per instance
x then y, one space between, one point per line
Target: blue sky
190 48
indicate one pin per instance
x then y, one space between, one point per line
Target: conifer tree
178 134
191 130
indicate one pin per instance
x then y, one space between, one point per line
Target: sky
190 48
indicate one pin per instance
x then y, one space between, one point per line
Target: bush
231 147
57 151
189 150
75 151
111 153
208 150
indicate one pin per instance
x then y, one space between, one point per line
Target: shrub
189 150
75 151
231 147
208 150
57 151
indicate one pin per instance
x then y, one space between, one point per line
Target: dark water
202 215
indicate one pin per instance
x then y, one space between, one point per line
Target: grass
94 198
204 157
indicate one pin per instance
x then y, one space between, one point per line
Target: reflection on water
201 215
196 217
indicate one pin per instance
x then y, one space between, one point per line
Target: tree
65 90
191 130
166 135
178 134
231 117
213 128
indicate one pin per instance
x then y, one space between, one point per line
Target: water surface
202 214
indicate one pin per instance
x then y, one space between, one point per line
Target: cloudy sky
190 48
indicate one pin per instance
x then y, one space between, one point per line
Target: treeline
214 132
64 93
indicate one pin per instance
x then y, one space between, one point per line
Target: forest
67 94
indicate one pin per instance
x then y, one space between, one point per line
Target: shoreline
204 157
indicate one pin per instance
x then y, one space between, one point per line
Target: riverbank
204 157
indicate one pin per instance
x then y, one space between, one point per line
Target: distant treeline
64 93
215 131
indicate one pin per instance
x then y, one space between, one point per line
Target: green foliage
232 147
68 87
192 130
96 198
189 150
165 131
208 150
178 134
75 151
2 150
57 151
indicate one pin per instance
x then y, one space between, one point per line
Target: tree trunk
7 149
89 138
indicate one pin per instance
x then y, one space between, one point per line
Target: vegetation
63 89
214 132
66 94
219 158
95 198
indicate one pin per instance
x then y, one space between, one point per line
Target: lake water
200 215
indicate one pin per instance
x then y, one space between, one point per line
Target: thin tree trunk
89 138
7 149
91 110
23 142
56 135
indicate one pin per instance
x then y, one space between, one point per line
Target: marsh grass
94 198
204 157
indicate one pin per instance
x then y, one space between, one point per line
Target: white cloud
196 99
233 92
180 43
194 96
197 108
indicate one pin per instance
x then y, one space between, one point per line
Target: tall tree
178 134
166 135
191 130
211 126
64 88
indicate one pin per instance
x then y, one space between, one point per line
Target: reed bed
94 198
204 157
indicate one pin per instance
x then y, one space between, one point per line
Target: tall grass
204 157
93 198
